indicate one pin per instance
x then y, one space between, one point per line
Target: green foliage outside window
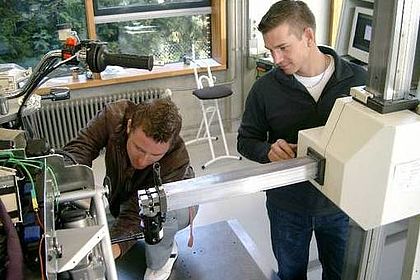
168 39
29 28
125 3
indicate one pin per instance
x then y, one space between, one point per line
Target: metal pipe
76 195
111 270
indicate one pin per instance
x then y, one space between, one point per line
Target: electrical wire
45 67
39 220
24 163
41 263
31 162
36 73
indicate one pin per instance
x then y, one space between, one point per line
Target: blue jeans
291 234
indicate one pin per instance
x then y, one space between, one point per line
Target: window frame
148 8
218 56
218 28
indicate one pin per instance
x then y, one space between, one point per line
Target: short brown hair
295 13
159 119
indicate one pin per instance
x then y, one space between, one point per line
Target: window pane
28 28
106 7
168 39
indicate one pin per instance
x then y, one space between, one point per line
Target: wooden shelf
120 75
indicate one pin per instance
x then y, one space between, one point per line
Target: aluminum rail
182 194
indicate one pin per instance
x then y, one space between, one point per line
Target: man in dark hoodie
298 94
135 137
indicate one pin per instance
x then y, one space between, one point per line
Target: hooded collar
342 70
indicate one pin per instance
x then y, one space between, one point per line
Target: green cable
33 193
31 163
8 153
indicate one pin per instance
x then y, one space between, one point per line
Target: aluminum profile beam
182 194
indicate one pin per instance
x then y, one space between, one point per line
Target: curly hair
159 119
295 13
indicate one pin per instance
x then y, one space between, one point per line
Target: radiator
59 121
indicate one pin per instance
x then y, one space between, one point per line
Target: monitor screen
361 33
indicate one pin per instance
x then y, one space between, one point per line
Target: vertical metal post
111 271
392 49
411 267
372 255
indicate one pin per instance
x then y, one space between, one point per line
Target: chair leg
200 131
206 124
222 131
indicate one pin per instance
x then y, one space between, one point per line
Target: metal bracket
321 164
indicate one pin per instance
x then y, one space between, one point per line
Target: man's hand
281 150
116 250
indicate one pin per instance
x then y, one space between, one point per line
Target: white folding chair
208 97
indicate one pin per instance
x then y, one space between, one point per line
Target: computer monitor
361 33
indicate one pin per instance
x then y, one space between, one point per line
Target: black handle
57 94
130 60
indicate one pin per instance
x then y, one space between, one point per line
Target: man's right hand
281 150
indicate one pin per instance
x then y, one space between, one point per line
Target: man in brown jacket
135 137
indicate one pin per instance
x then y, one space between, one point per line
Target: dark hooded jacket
277 107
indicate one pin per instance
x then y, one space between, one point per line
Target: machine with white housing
372 169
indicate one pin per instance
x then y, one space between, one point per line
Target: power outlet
253 37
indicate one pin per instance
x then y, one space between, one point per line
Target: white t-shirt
315 85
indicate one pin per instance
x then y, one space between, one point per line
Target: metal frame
118 17
411 268
138 8
392 49
391 59
64 248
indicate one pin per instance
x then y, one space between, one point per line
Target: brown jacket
108 130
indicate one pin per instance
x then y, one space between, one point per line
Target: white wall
320 8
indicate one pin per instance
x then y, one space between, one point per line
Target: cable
37 72
39 220
28 162
23 163
41 263
43 68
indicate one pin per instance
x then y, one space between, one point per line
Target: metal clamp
321 165
153 206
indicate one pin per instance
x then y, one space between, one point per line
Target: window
23 42
111 7
164 28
